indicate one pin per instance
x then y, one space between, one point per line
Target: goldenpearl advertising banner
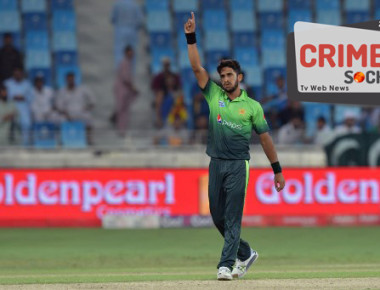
77 197
334 64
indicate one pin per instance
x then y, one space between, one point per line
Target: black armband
276 167
190 37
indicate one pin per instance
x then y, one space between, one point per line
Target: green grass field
97 255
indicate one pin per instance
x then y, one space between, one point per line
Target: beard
231 90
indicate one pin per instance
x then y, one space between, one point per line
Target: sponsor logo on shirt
227 123
222 104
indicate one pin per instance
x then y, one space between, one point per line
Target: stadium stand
45 31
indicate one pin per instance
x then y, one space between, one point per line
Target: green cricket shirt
231 123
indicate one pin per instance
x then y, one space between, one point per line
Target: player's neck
235 94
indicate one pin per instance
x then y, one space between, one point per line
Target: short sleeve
260 125
210 90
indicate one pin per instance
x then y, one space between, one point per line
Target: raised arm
270 152
195 61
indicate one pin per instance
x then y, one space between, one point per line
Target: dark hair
321 118
234 64
7 35
70 74
128 48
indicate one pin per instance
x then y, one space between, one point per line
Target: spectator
127 18
174 134
7 115
161 80
292 132
10 58
75 103
166 100
324 134
125 91
20 91
292 109
201 114
349 125
42 104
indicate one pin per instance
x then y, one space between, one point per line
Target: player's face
229 79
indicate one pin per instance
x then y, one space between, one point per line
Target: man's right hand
190 24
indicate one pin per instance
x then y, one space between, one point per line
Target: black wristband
190 37
276 167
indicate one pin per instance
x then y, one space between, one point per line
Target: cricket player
233 115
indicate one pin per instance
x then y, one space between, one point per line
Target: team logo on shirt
222 104
219 118
241 111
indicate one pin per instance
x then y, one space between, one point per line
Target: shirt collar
242 97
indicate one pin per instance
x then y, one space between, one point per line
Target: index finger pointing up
192 16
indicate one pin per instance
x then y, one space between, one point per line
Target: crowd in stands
25 104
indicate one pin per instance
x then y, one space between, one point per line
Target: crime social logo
336 59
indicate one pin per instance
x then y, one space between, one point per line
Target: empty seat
46 73
37 59
354 6
185 6
244 39
242 5
159 21
37 40
331 17
35 21
271 20
64 58
73 134
273 58
214 20
357 17
327 4
64 20
157 5
216 40
243 21
212 4
377 13
272 39
8 5
157 54
161 39
213 58
246 56
61 5
62 71
299 4
270 6
33 6
298 15
9 21
44 135
64 40
253 76
183 58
